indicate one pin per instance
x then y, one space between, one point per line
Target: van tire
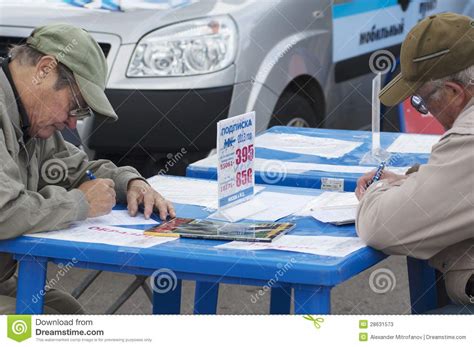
295 110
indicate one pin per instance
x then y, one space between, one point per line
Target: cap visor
398 90
95 97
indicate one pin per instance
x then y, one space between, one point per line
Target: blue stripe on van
360 6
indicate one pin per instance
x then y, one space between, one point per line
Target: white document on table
265 206
335 215
119 217
286 167
241 211
413 143
294 143
280 166
280 205
330 246
188 191
106 234
333 207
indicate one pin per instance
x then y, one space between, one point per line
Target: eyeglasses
419 103
80 112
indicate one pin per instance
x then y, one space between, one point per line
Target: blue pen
90 175
378 174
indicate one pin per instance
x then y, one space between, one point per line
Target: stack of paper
413 143
110 235
293 167
188 191
333 207
320 245
265 206
295 143
119 217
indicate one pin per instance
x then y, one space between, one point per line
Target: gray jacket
38 179
430 214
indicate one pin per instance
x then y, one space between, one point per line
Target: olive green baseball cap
436 47
76 49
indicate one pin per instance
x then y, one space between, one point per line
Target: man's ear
456 92
44 67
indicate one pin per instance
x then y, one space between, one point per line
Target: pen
377 175
90 175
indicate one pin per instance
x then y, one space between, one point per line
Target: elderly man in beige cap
55 79
429 214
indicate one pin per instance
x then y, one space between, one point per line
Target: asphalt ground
359 295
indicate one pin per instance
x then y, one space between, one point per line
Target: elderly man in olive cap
429 214
55 79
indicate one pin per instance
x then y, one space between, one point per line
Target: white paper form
274 165
268 165
119 217
188 191
413 143
110 235
331 246
294 143
241 211
280 205
266 206
333 207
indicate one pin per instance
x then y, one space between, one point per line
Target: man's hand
100 195
366 178
140 192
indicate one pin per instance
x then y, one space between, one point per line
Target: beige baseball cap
436 47
76 49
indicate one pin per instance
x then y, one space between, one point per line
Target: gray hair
464 77
27 55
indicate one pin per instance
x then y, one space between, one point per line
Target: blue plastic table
312 179
310 276
423 297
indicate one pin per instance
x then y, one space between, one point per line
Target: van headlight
193 47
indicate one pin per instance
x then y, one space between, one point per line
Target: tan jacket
430 214
33 196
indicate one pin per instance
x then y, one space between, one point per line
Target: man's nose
71 122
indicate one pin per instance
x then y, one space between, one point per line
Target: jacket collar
464 124
16 109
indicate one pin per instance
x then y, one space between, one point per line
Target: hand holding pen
99 193
373 176
377 175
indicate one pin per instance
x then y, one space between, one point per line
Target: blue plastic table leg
31 282
280 300
205 297
422 282
168 302
312 299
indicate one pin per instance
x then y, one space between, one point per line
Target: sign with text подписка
235 153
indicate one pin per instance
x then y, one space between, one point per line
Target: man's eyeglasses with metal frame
79 113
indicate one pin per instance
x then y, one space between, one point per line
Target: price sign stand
235 171
377 154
